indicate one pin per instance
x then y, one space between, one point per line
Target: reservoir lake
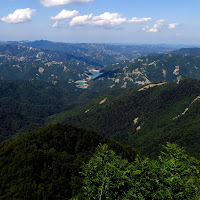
95 74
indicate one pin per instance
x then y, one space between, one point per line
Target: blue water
95 74
81 83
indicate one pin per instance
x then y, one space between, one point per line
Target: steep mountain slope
25 104
45 164
27 63
148 69
145 117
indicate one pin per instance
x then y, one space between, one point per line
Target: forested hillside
143 103
25 104
64 162
45 164
28 63
144 117
149 69
188 51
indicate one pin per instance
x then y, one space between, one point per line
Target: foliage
173 176
45 164
155 109
24 105
105 175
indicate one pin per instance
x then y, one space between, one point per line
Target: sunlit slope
149 69
145 117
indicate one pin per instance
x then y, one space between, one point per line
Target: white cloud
52 3
106 20
80 20
140 20
19 16
172 26
153 30
65 14
159 23
150 30
55 24
61 17
156 27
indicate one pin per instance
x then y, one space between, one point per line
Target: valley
99 100
67 89
62 105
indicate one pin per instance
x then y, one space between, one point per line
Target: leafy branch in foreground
106 175
174 175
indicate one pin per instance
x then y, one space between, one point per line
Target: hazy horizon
109 43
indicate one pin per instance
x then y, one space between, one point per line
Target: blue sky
107 21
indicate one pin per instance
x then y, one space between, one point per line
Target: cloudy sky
107 21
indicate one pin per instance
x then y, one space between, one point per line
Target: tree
106 175
174 175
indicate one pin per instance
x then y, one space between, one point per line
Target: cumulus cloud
150 29
156 27
140 20
172 26
65 14
106 20
160 24
52 3
19 16
80 20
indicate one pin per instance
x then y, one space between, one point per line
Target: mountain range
144 96
45 60
102 54
28 63
145 70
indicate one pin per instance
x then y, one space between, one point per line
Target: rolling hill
145 117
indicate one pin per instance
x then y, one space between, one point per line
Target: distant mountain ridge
103 54
45 60
149 69
188 51
28 63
